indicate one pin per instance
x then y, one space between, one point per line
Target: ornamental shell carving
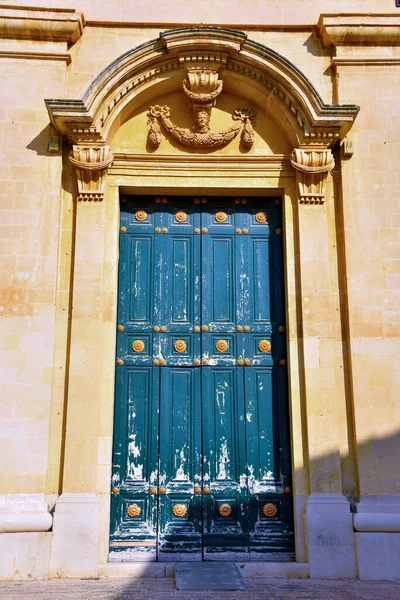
225 510
180 346
221 216
261 217
138 346
179 510
269 509
141 215
133 510
181 216
222 345
264 346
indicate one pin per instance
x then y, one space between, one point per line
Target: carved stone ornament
312 168
202 89
133 510
179 510
91 164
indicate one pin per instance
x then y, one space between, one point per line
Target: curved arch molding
314 125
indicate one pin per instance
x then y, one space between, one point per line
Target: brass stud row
244 231
162 362
159 230
240 201
196 328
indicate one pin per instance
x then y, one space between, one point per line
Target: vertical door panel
270 511
224 464
218 282
180 465
133 506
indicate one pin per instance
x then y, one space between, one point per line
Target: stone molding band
377 522
24 513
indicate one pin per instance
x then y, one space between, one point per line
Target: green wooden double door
201 458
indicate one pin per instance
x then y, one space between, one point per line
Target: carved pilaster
91 164
312 168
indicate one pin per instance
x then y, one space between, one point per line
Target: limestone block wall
30 211
350 329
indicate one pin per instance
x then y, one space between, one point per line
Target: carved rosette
181 216
264 346
133 510
269 509
179 510
91 164
221 216
312 168
138 346
225 510
180 346
141 215
261 217
221 345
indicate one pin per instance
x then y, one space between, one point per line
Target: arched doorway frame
301 179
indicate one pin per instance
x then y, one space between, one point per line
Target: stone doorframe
303 180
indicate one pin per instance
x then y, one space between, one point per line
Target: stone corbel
91 164
312 168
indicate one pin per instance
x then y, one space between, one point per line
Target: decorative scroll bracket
91 164
312 168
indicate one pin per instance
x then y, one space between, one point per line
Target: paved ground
164 589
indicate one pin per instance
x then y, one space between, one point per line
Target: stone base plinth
75 541
330 537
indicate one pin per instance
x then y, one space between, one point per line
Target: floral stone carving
202 89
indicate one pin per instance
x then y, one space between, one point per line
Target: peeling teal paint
218 425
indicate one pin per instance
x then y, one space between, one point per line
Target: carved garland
243 122
202 89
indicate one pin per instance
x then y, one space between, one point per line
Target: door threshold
278 570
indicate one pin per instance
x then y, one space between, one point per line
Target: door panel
267 457
180 465
201 445
135 465
224 463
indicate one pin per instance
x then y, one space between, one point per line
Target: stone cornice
31 55
41 24
356 30
309 119
364 61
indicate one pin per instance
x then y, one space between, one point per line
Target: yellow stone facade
77 83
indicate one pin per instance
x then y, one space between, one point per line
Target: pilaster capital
312 167
91 164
